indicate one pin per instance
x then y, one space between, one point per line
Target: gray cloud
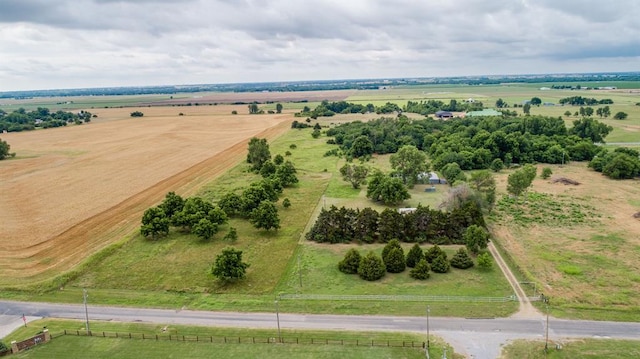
47 44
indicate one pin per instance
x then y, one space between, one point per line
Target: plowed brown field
72 191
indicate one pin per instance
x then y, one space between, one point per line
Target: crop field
73 191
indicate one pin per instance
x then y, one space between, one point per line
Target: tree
485 185
268 169
3 347
452 173
354 174
231 204
193 210
461 259
421 270
351 261
414 256
4 150
137 114
205 229
546 172
520 180
155 223
440 264
395 262
484 261
535 101
278 159
386 189
590 129
228 266
253 108
475 238
620 116
497 165
172 204
366 225
500 103
278 108
567 113
286 174
526 109
409 162
258 152
392 244
371 267
265 216
362 146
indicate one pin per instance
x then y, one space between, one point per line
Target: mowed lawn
72 346
579 348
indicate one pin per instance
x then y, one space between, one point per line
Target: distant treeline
23 120
362 84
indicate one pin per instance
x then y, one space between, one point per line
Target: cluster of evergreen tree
23 120
345 225
581 101
474 143
393 260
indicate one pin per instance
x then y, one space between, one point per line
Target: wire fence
397 298
244 340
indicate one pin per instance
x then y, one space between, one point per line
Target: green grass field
71 346
581 348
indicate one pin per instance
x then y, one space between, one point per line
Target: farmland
107 176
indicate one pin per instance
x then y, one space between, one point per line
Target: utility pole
428 334
546 340
86 311
278 321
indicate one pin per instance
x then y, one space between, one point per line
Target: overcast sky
46 44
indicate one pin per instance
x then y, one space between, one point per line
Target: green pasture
569 349
97 347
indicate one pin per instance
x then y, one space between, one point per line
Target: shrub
137 114
234 112
293 146
232 235
315 133
421 270
461 259
497 165
440 264
288 153
351 261
394 243
546 172
434 252
414 256
286 203
395 261
485 262
371 267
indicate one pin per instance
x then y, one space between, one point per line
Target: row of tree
345 225
23 120
581 101
372 267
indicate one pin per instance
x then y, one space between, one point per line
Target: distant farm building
485 112
444 114
432 178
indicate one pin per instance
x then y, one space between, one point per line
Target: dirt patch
84 187
565 181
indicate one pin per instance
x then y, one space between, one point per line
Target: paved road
478 338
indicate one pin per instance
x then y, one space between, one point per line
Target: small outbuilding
444 114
